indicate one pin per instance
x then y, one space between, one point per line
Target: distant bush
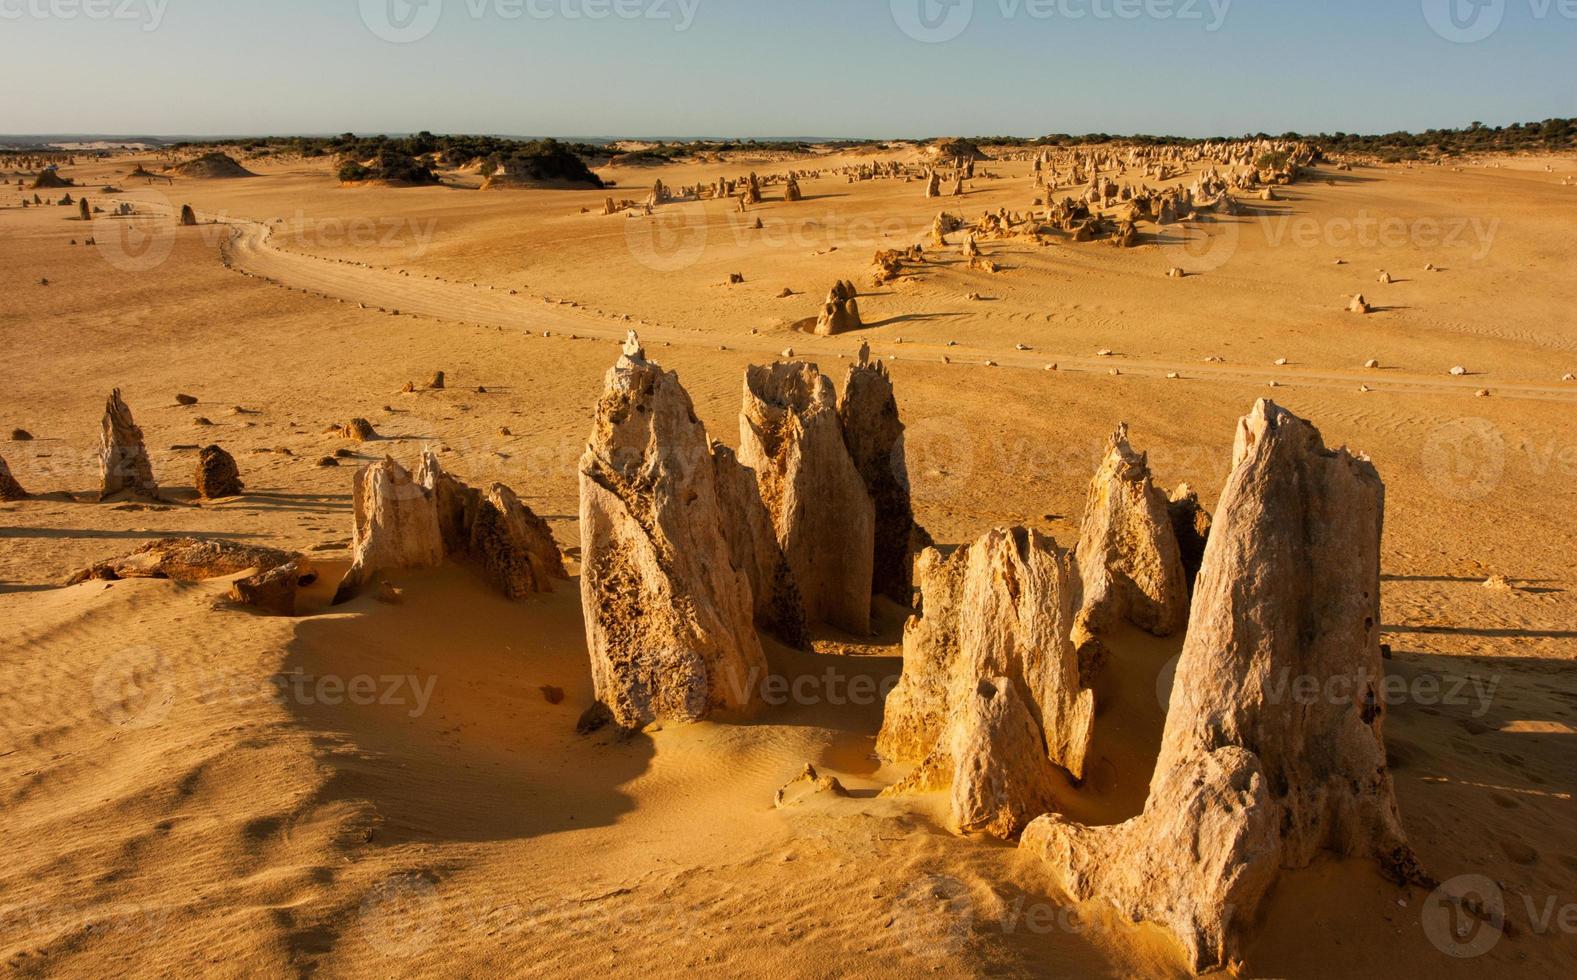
1273 160
389 166
541 160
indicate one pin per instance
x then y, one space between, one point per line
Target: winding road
250 249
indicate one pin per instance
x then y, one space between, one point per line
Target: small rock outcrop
275 590
123 459
1254 777
669 616
9 489
217 475
396 526
492 530
808 785
841 312
991 696
791 437
356 430
186 560
1128 556
874 435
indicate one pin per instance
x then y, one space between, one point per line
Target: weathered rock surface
1128 556
1191 526
356 430
217 475
1253 776
491 529
275 590
791 437
999 613
753 542
669 616
874 435
10 489
808 785
396 526
186 560
841 312
123 459
1001 777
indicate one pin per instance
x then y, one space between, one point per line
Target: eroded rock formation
874 435
10 489
396 526
490 529
185 560
217 475
1191 525
1254 777
669 616
1128 555
123 459
989 674
841 312
791 436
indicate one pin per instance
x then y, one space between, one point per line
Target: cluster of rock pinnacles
688 548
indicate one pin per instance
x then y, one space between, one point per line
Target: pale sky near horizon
876 68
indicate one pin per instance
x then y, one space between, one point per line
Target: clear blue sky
776 67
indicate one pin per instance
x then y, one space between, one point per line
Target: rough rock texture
1256 774
999 611
1128 556
874 435
669 616
356 430
1001 777
188 216
841 312
825 521
9 488
217 475
1191 526
396 526
491 529
274 591
514 546
753 542
186 560
808 785
123 459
